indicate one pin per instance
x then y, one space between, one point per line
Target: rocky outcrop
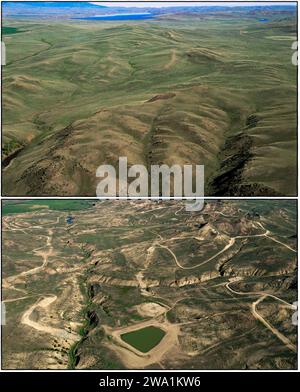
191 280
107 280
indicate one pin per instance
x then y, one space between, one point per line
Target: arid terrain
85 282
208 86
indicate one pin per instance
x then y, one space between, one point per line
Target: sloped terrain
220 285
218 91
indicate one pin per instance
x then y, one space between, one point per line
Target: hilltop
118 285
209 88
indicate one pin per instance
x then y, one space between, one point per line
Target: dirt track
45 254
275 331
172 60
229 245
263 295
45 303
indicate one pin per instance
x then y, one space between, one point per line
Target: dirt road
45 254
263 296
229 245
172 60
45 303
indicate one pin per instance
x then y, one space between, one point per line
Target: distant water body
119 17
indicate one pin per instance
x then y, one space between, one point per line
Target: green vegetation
144 339
32 205
73 355
87 324
10 147
107 296
218 91
6 30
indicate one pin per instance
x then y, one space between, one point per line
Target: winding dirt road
229 245
231 242
45 303
262 296
45 252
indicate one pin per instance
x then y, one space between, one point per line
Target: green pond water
144 339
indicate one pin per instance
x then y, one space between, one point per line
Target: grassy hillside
21 206
218 91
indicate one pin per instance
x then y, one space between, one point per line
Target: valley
144 284
208 87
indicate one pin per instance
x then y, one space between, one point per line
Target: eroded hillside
181 89
214 288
